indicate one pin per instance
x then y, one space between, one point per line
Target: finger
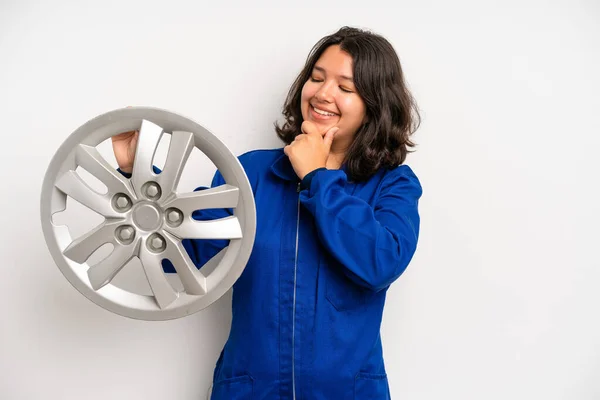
299 137
329 136
309 128
123 136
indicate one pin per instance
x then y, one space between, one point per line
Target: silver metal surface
145 217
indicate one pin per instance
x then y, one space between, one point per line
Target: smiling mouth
322 112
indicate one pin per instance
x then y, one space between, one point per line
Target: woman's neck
335 160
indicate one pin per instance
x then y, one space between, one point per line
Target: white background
502 300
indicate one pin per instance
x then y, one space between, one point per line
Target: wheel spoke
84 246
180 148
103 272
223 228
148 140
194 282
73 185
164 294
212 264
91 160
224 196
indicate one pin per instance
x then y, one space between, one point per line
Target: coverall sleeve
374 244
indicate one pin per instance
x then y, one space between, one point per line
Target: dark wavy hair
392 113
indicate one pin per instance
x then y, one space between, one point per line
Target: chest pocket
340 291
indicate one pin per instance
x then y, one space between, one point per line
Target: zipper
294 303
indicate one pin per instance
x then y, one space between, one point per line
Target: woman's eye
343 89
313 79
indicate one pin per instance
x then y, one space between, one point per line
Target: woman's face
329 97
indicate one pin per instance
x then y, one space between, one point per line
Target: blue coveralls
307 309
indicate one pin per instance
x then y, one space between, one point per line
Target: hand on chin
322 126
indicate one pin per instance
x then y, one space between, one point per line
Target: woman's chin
324 126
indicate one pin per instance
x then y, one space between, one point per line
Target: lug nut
174 216
156 242
152 190
126 233
122 202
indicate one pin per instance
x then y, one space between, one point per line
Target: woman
337 223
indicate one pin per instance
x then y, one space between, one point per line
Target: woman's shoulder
257 162
261 156
402 177
403 170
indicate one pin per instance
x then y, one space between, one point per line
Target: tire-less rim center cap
147 217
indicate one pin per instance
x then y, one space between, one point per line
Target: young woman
337 223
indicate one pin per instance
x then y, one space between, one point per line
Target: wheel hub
147 217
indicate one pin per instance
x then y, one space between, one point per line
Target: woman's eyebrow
322 70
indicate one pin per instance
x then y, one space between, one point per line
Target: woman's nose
325 93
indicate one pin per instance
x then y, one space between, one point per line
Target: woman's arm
373 244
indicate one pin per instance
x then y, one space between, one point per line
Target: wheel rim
146 217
